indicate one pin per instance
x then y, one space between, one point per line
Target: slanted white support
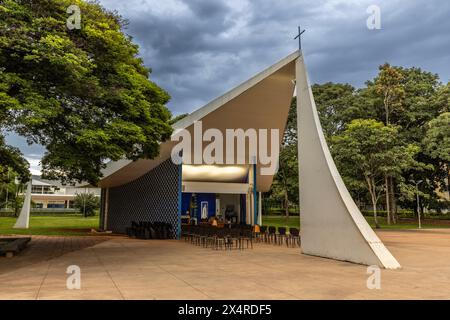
331 224
23 221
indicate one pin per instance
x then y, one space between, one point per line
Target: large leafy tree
337 105
367 150
406 98
437 139
437 144
84 94
388 85
413 101
285 185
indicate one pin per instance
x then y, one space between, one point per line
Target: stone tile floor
122 268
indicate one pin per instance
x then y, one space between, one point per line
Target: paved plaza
122 268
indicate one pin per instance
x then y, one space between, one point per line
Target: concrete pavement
122 268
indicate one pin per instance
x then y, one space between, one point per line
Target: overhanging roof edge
233 93
210 107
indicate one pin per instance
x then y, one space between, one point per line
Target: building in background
52 194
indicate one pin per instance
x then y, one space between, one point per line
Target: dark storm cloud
199 49
32 153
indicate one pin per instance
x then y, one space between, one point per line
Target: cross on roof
299 36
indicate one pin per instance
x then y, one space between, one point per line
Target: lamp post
418 204
84 203
7 192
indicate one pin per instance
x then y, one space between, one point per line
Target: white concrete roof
262 102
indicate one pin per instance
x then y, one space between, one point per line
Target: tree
437 138
285 184
406 98
83 94
337 105
87 203
436 142
389 86
370 150
285 187
11 193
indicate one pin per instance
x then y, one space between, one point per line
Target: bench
13 246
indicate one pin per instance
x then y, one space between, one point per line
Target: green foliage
413 147
83 94
285 185
11 193
87 203
369 149
437 138
388 86
371 152
337 105
178 118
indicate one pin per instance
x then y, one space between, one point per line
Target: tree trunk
388 211
286 197
373 195
393 198
386 108
16 202
286 204
375 216
448 180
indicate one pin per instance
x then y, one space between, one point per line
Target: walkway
121 268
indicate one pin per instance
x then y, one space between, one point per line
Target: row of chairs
149 230
269 234
207 236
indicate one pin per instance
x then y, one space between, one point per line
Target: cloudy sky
199 49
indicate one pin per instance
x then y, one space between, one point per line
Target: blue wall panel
209 197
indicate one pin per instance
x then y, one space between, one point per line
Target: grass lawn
280 221
77 225
51 225
294 222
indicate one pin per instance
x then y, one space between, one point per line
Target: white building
52 194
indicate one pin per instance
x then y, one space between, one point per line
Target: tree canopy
84 94
398 123
437 138
369 151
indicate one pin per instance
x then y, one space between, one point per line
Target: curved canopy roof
262 102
